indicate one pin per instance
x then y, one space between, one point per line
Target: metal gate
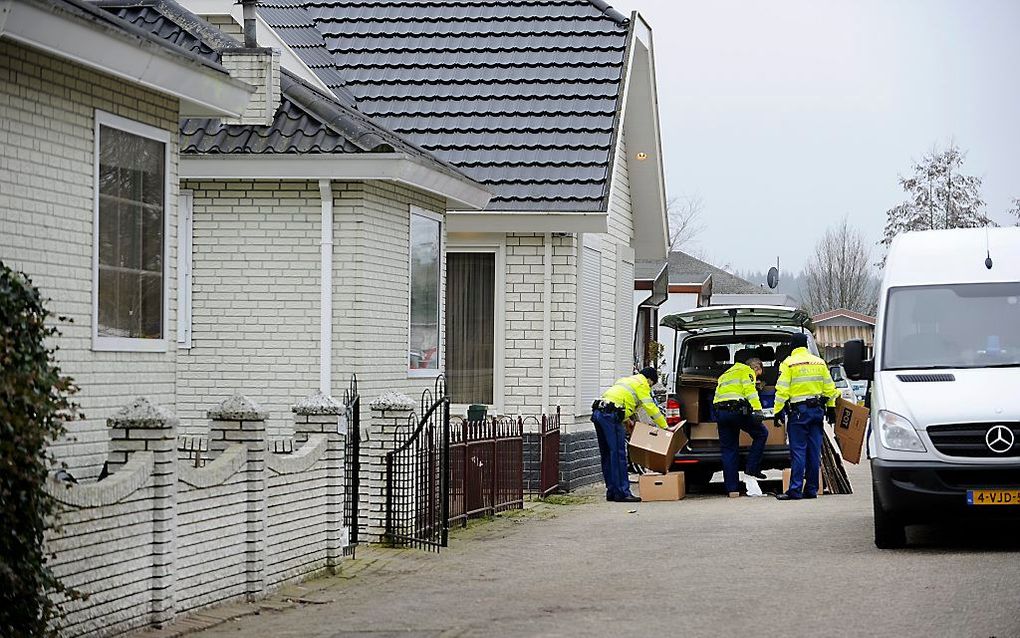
418 477
352 466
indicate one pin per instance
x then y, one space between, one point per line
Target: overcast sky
783 116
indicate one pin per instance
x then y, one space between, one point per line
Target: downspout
326 290
546 316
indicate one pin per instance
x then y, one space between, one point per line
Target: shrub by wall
34 405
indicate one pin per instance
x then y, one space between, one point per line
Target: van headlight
897 433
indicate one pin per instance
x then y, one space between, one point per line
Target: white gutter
546 321
202 90
496 221
396 167
326 290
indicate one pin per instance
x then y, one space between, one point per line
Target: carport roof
524 97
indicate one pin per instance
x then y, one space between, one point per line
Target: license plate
993 497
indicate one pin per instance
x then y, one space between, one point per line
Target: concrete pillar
241 420
390 422
321 414
142 426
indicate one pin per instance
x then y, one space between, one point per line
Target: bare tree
839 274
685 223
939 195
1015 210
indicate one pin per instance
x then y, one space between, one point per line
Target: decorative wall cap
318 404
238 408
141 413
217 472
115 488
300 461
393 401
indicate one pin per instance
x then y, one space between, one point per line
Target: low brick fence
184 524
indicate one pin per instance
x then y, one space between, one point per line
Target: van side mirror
856 366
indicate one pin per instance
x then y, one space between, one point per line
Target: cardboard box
787 475
690 404
654 448
777 432
662 487
850 427
705 431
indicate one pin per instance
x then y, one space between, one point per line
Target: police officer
805 395
737 407
618 404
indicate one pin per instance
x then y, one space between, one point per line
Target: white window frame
130 344
185 263
592 242
497 248
441 346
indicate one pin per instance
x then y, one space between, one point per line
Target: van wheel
890 532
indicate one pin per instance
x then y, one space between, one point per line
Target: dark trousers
730 425
613 449
804 429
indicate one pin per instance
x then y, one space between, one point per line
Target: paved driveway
706 566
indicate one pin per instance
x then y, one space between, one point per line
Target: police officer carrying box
618 404
737 407
805 395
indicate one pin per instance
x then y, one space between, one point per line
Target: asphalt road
704 566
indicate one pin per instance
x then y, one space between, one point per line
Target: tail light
672 411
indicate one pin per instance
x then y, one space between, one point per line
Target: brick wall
371 287
46 211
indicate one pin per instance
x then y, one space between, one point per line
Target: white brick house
552 105
272 305
90 104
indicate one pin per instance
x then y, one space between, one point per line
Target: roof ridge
608 11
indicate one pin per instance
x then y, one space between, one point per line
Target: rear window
712 354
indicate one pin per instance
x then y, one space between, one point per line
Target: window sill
424 373
123 344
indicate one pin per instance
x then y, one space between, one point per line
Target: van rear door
737 316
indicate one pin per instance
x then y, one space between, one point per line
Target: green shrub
34 405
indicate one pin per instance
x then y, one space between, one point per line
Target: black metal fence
418 477
487 467
549 446
352 466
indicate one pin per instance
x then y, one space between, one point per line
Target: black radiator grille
969 440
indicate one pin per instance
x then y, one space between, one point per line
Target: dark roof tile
523 95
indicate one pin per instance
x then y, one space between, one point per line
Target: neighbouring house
552 105
694 283
89 190
272 305
833 328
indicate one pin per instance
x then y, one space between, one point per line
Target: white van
944 439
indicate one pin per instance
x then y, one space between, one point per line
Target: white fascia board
641 124
526 222
265 35
202 91
460 193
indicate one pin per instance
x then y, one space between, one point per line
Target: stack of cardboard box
697 405
654 448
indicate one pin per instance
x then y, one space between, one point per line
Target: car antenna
988 251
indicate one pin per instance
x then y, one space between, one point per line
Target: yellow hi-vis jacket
803 376
737 384
629 392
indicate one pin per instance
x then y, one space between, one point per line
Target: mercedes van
944 436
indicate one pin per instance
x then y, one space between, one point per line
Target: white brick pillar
390 420
241 420
321 414
142 426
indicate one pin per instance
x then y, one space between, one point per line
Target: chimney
258 66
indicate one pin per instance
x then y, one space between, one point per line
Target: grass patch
567 499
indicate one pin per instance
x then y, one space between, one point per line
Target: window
470 326
423 353
129 276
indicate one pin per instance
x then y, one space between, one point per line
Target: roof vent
925 378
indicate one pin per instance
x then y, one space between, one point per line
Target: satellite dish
773 277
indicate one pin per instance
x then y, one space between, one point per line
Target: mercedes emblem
999 439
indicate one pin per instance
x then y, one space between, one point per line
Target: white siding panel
625 317
591 328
